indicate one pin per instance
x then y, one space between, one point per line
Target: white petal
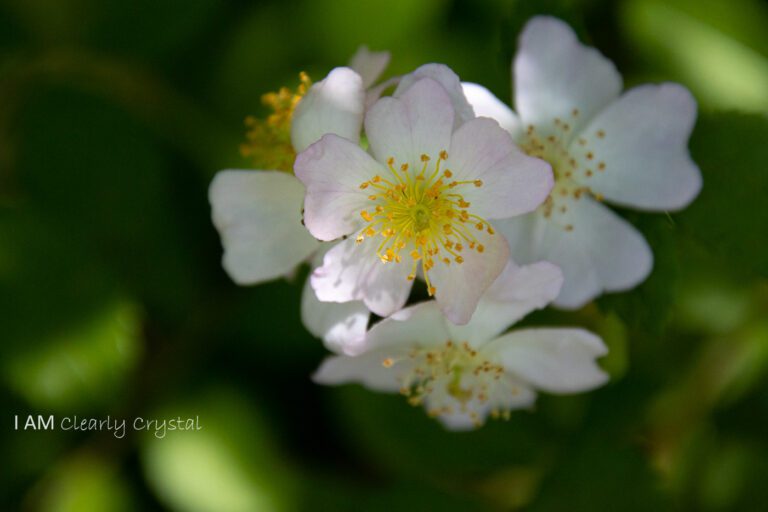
341 326
420 326
332 169
417 122
485 104
512 182
602 252
369 65
643 146
514 294
353 271
366 369
555 74
460 286
258 215
374 93
553 360
450 81
333 105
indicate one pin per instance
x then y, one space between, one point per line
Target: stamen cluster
268 141
454 378
422 213
570 176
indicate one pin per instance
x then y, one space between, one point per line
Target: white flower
421 203
462 374
258 212
629 150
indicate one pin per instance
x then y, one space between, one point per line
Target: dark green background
114 117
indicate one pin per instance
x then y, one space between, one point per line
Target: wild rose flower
462 374
419 204
628 149
258 212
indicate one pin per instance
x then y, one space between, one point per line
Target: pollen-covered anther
418 210
268 141
454 377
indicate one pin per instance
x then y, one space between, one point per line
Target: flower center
423 213
573 164
268 141
454 378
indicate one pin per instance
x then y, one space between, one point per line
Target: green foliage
728 218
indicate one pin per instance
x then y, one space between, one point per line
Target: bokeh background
114 117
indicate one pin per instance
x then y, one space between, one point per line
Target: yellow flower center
268 141
572 164
454 378
421 213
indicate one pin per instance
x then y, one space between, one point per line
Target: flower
258 212
629 150
420 203
462 374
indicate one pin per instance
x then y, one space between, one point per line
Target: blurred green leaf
148 28
600 471
229 465
50 280
79 368
93 166
703 45
83 483
396 25
729 218
404 440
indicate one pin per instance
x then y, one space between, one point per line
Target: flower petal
514 294
332 170
369 65
460 286
341 326
512 182
333 105
553 360
555 74
485 104
258 215
601 251
419 121
366 369
641 149
419 326
353 271
450 81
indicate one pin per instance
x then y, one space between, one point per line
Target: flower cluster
492 212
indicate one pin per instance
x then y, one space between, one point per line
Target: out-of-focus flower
630 150
421 204
462 374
